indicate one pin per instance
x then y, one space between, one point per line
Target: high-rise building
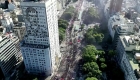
40 48
9 56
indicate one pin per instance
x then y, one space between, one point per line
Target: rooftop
131 42
135 64
133 61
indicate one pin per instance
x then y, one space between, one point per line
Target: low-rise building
6 20
128 56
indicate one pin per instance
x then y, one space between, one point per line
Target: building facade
40 47
9 57
118 25
128 57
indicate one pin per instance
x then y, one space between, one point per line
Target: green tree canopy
62 23
69 12
35 79
70 9
67 15
82 26
92 69
61 33
93 35
111 53
89 53
92 12
103 65
91 78
90 16
102 59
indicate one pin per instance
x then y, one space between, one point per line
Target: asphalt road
67 65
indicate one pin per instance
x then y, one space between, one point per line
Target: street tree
103 65
68 13
91 78
89 53
93 13
90 16
35 79
101 53
91 69
62 23
98 37
93 35
70 9
111 53
102 60
82 26
61 34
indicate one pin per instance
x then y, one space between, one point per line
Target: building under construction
115 6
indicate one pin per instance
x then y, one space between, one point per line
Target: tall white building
40 48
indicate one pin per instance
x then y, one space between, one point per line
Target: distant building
137 21
19 30
133 14
11 6
128 56
6 20
138 6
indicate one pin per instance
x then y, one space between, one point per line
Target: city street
70 53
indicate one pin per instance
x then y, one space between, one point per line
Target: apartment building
128 56
118 25
40 48
9 56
